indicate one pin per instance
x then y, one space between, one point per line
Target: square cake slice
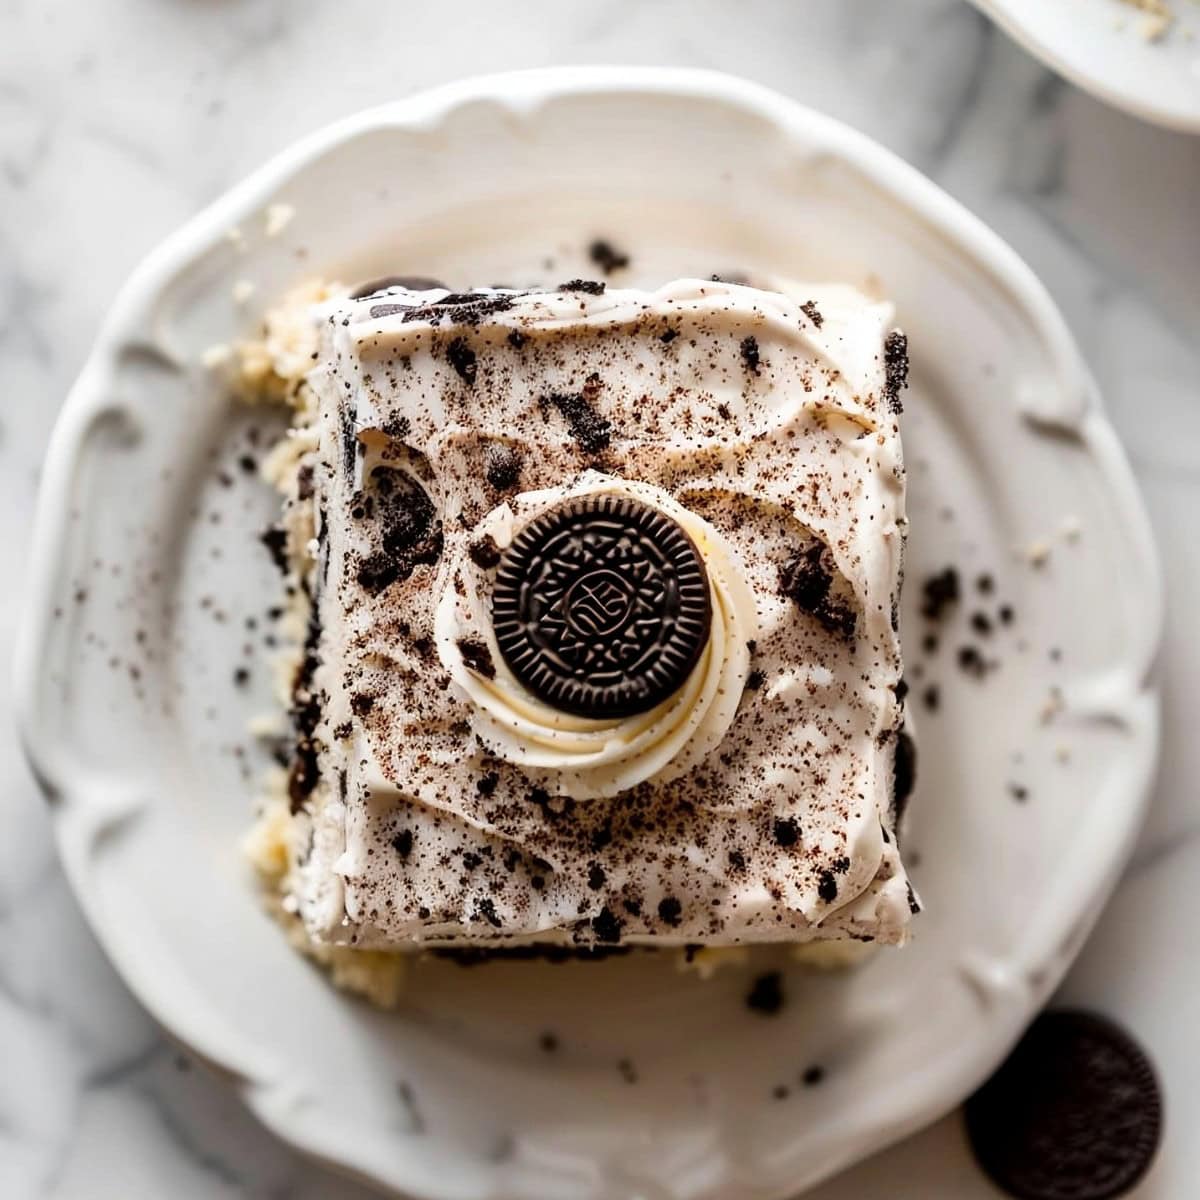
604 639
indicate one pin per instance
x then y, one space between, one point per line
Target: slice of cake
603 642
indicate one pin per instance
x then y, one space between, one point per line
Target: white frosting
755 803
589 758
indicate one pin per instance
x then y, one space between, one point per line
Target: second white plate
1108 48
149 590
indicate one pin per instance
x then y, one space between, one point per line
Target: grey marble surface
119 118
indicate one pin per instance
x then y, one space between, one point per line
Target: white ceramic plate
1102 45
146 570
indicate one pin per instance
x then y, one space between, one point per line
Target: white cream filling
584 757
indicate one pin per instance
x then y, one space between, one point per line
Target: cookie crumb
607 257
587 287
477 657
940 593
278 218
749 351
1037 553
766 994
895 365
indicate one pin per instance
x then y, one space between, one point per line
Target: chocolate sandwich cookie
413 283
1074 1113
601 606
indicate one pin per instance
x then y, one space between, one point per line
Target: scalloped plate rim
1170 116
69 790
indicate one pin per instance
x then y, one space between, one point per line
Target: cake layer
462 792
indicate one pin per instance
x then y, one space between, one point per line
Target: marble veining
119 118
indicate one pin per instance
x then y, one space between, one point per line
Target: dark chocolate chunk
827 887
670 911
601 606
402 843
1074 1113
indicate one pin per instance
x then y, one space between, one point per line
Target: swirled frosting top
756 801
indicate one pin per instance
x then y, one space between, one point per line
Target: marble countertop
120 118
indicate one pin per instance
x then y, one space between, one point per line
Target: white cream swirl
580 756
